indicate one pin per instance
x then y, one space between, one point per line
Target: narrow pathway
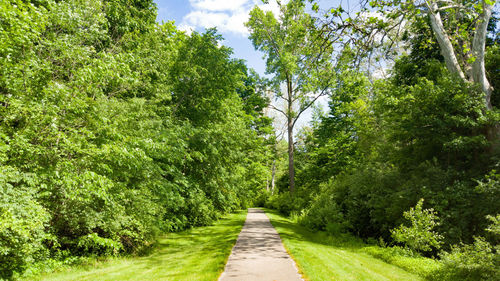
259 254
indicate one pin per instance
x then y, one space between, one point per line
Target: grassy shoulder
320 256
196 254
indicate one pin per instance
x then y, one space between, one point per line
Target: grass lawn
323 257
196 254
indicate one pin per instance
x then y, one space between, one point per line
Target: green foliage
22 223
406 259
114 128
94 244
477 261
285 202
494 228
325 214
420 236
298 58
492 63
383 146
199 253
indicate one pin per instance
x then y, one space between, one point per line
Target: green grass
196 254
320 256
419 265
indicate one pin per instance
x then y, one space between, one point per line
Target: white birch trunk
478 71
478 51
444 41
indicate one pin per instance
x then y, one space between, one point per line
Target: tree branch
323 92
277 109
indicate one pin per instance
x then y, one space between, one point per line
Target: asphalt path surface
259 253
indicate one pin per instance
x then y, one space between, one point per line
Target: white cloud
186 28
219 5
225 15
272 6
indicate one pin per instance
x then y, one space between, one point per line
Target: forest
115 129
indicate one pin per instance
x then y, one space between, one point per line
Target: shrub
324 214
94 244
420 235
285 203
477 261
22 224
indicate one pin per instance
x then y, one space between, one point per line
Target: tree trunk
444 41
273 175
290 123
291 170
479 70
478 50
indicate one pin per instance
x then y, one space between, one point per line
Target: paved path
259 253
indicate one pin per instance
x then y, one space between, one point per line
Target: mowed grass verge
196 254
320 256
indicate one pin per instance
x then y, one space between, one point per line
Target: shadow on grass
210 239
195 254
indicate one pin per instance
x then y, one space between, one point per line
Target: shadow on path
259 253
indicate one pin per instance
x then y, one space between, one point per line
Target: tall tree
299 59
466 56
460 29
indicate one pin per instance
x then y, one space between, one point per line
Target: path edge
295 263
236 240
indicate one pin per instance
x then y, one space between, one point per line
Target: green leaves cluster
420 236
114 128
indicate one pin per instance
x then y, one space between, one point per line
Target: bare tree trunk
478 50
290 123
291 170
444 41
273 175
478 72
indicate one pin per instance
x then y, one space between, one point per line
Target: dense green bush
399 142
420 236
477 261
285 202
324 214
23 223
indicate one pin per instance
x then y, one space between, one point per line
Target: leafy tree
297 58
99 151
460 30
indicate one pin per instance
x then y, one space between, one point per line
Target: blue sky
227 15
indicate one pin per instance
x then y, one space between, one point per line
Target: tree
298 58
471 34
114 128
460 29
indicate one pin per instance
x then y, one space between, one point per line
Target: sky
228 16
